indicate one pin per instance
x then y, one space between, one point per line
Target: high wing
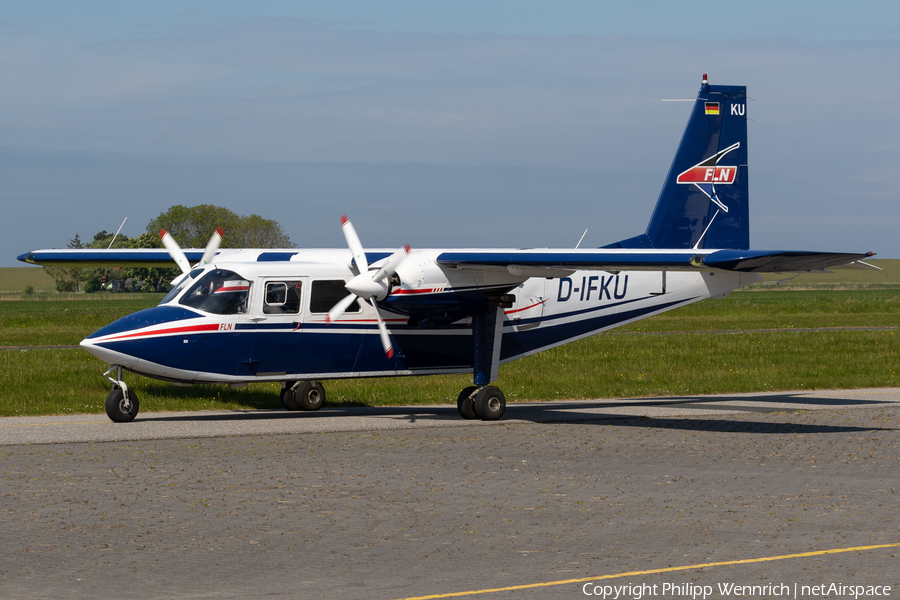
149 257
538 262
515 260
121 257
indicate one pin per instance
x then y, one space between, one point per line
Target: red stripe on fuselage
509 312
424 291
188 329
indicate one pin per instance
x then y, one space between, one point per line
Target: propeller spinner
369 286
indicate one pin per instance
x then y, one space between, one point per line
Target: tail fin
704 202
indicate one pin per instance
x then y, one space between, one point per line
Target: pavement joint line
653 571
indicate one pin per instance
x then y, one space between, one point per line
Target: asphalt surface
399 503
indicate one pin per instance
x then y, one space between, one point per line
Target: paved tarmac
400 503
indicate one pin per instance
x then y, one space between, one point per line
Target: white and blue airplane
300 317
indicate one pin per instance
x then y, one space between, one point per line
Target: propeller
368 286
181 260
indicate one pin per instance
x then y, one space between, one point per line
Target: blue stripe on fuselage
353 353
146 318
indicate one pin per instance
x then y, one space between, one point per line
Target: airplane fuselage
272 323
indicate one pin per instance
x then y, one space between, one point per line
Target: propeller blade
211 248
391 264
382 329
354 244
340 308
175 251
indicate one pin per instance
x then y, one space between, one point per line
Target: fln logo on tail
708 173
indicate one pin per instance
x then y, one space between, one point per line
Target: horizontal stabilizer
762 261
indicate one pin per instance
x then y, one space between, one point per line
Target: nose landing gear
121 403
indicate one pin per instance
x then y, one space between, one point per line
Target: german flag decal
712 108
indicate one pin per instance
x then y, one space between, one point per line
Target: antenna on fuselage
117 233
582 239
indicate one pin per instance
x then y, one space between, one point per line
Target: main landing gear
302 395
485 403
482 401
121 403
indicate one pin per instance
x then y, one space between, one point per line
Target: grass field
746 342
842 278
14 280
605 366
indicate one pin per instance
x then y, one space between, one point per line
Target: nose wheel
121 404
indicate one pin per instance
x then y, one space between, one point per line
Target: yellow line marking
652 571
45 424
849 393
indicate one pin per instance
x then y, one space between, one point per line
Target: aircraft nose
114 344
114 354
120 342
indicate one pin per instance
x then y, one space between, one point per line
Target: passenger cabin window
282 298
328 292
219 292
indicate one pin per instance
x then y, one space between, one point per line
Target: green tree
95 277
192 227
154 279
68 279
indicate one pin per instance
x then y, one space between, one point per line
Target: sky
440 124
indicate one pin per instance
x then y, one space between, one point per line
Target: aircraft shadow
574 412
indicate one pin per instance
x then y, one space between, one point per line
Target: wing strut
487 333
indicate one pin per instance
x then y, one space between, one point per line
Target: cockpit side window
220 292
328 292
282 298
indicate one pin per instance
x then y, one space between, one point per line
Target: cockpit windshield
219 291
173 293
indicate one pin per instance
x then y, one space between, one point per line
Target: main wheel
115 406
490 404
287 399
310 395
465 405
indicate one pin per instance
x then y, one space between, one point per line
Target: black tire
465 405
115 406
490 404
310 395
287 399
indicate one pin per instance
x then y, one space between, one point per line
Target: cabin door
278 322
